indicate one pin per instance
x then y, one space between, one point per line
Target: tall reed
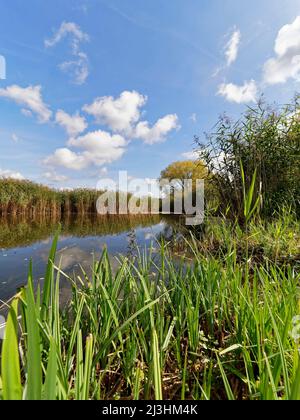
156 328
26 197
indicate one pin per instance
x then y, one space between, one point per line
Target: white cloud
123 114
119 114
6 173
286 64
100 147
190 155
78 67
66 158
54 177
158 132
30 98
67 28
73 124
239 94
232 47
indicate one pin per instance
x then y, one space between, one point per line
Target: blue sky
97 86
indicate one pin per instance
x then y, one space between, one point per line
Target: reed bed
26 197
216 329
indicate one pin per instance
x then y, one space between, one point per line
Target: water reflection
82 240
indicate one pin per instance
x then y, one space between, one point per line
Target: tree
183 170
177 173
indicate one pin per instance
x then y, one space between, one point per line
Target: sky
92 87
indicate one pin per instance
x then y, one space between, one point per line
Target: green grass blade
48 279
34 363
295 390
10 362
51 374
228 389
156 367
87 367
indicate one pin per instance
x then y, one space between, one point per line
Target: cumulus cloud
232 47
7 173
73 124
286 64
66 158
119 114
122 115
78 66
239 94
158 132
30 98
98 148
54 177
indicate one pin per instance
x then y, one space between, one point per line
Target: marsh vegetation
212 314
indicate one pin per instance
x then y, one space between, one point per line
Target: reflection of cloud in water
149 236
75 249
70 258
49 240
73 258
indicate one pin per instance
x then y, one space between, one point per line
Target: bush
265 139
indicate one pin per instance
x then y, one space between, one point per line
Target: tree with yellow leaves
183 170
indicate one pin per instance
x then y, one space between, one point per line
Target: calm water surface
82 240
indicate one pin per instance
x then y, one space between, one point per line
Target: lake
82 240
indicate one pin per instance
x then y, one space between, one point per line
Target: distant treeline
25 197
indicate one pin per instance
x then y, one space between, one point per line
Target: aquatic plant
215 329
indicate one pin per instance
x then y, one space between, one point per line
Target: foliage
216 329
184 170
177 173
266 141
276 240
26 197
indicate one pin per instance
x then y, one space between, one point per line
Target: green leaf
87 367
230 349
51 374
156 367
10 363
34 363
48 279
295 390
228 389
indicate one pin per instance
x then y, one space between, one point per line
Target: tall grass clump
18 196
31 199
156 329
266 141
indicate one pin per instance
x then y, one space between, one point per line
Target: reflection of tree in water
132 244
20 230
